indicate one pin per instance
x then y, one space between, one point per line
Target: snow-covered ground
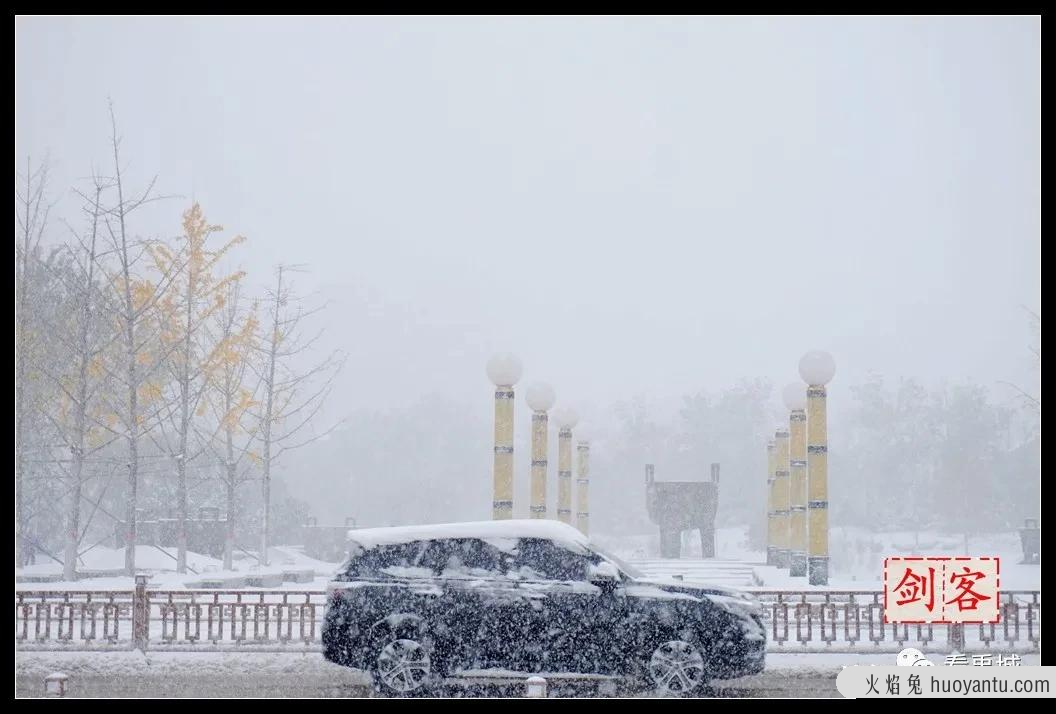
160 565
309 675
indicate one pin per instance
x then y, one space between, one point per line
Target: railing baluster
830 607
279 611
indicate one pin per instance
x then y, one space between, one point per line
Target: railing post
140 610
55 685
955 637
535 688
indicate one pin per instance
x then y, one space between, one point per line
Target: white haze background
639 208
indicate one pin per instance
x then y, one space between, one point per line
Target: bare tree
31 216
290 397
136 366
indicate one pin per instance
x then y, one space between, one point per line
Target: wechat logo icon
911 657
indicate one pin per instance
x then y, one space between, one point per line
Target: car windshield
624 566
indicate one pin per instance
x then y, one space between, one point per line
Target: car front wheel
676 667
401 667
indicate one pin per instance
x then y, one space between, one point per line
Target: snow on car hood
705 588
735 601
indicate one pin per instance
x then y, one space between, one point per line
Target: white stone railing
807 621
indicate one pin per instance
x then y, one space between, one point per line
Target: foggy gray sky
632 205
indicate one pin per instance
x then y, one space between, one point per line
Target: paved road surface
130 674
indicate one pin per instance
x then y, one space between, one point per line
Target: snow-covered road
133 674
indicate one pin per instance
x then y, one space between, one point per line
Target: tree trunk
73 519
229 536
133 430
232 470
133 441
268 411
185 425
73 534
129 319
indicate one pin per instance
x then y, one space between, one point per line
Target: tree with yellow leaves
229 397
197 295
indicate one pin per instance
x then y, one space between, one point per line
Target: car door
573 619
484 618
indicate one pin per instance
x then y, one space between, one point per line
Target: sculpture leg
707 542
670 543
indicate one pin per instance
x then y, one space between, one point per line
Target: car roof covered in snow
485 530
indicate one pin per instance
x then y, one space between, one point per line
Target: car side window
541 559
386 560
464 558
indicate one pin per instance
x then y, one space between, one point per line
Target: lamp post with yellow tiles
771 530
566 419
503 370
817 369
583 484
795 398
781 539
540 398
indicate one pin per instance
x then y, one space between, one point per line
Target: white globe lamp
504 369
817 368
540 396
566 418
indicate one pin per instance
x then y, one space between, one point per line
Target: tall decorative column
566 421
817 369
707 528
795 396
781 539
503 370
583 486
540 398
771 531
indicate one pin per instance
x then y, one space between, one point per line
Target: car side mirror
604 575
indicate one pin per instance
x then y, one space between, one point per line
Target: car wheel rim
403 665
676 666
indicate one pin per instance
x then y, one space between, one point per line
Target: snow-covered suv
416 605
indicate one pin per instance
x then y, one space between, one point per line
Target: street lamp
583 484
540 398
795 397
771 531
781 531
566 418
817 369
503 370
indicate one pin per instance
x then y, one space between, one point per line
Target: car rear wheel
677 667
402 667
